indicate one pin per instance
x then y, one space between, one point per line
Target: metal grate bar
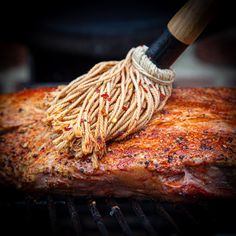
52 215
98 218
74 216
189 215
28 202
167 216
29 215
115 210
143 218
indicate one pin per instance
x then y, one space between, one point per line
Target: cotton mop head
111 101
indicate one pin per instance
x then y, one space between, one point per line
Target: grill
63 215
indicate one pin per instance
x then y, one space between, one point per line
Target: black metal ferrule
165 50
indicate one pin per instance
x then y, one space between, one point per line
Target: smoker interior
62 215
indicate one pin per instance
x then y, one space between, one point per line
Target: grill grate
57 215
74 216
98 218
116 211
143 218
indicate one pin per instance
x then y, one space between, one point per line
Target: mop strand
114 99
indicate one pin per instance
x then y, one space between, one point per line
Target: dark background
56 42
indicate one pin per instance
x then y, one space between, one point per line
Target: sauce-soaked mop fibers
113 100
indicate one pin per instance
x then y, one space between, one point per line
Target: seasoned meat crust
187 151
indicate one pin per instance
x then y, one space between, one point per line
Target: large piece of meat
187 150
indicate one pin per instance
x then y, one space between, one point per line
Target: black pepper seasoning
146 164
185 147
179 140
203 146
81 170
170 159
35 155
166 149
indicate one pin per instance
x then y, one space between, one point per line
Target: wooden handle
188 23
182 30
